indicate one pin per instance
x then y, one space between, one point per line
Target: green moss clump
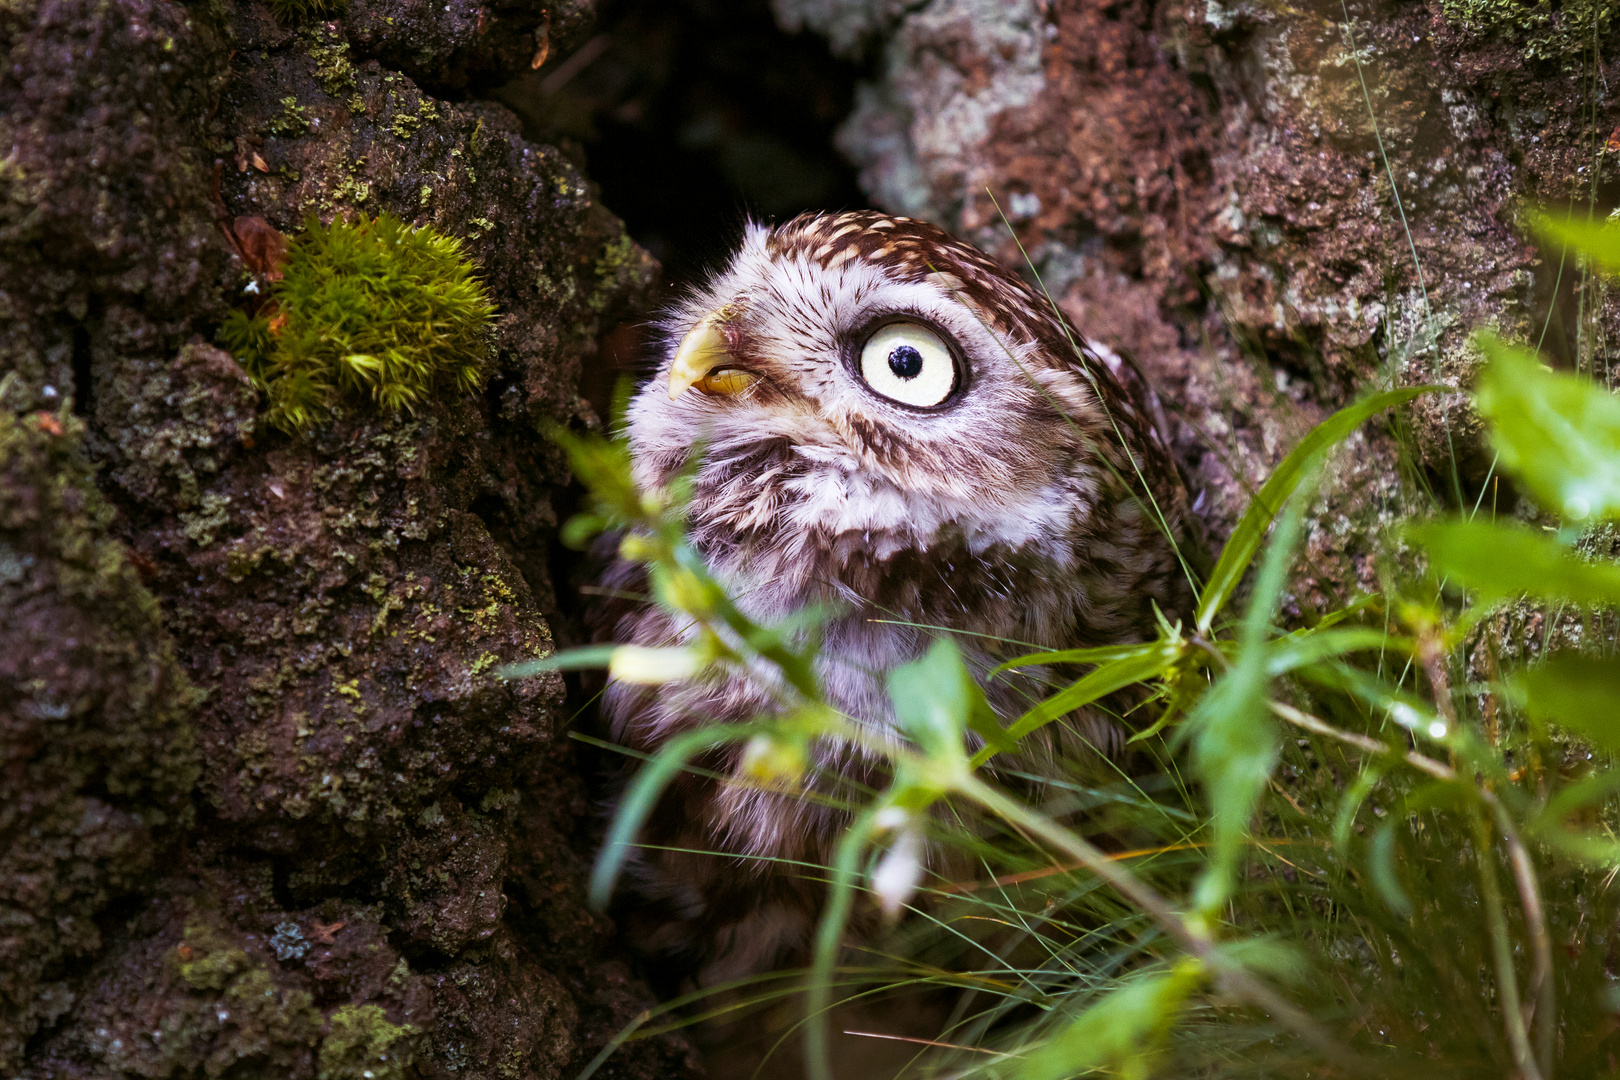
361 1044
370 310
208 960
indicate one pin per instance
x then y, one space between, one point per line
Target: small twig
1438 770
1433 660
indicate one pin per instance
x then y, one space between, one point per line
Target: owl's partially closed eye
889 422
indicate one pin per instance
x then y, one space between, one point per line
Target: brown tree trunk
267 808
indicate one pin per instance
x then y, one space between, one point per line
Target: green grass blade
1071 656
642 795
1296 651
589 656
1245 539
829 936
1109 677
1234 735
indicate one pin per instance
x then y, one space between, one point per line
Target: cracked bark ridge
1203 185
285 818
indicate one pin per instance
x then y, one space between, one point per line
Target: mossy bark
268 810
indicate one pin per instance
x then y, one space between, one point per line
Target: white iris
908 363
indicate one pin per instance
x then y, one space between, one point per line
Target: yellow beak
703 357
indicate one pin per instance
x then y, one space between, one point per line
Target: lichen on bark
95 730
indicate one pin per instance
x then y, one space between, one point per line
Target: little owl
891 424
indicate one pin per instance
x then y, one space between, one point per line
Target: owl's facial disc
704 359
909 363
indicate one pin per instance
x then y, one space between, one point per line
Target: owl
890 424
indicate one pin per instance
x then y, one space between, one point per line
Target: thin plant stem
1543 989
829 934
1507 983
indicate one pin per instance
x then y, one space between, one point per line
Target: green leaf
1234 735
1251 530
1404 707
643 793
1558 433
1499 561
1070 656
1381 870
1138 666
933 698
1297 650
1596 849
829 939
589 656
1581 793
1581 693
1598 242
1345 817
1124 1032
1234 749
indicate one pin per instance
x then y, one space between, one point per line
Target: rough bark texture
267 809
1242 195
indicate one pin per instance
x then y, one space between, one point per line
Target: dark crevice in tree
81 369
692 116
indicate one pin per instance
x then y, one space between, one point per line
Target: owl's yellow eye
909 363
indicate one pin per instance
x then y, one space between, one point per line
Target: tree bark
268 808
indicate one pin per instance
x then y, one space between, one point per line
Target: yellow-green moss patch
370 311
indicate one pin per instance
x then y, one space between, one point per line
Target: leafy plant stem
1542 990
643 794
1438 770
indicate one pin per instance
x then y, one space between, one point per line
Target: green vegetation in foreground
371 310
1380 846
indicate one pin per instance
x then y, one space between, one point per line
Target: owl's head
866 390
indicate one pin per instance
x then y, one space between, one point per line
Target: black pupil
905 362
